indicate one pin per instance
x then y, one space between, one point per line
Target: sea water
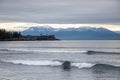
42 60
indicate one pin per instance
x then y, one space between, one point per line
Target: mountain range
82 33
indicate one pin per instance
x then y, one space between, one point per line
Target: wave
4 50
58 63
47 63
105 66
44 50
82 65
57 50
90 52
34 62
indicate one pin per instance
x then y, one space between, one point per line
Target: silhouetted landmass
16 36
6 35
41 37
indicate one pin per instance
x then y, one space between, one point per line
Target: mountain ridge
81 33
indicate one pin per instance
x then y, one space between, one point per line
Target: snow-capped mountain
82 33
118 32
38 30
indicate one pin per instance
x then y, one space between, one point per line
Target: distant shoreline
33 38
17 36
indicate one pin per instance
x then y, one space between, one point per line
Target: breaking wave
34 63
4 50
44 50
89 52
57 50
47 63
82 65
56 63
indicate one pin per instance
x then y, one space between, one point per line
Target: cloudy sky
62 13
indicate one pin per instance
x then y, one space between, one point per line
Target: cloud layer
60 11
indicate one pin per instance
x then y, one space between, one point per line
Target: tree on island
7 35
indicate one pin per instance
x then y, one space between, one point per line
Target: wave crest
90 52
47 63
33 62
4 50
58 63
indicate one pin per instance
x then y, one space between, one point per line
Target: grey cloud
60 11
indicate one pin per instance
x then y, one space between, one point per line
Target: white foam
33 62
82 65
48 50
48 63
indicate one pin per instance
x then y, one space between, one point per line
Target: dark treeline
9 35
16 36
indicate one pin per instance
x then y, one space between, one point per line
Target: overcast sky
60 11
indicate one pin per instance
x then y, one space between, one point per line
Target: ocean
42 60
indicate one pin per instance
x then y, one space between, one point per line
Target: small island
16 36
